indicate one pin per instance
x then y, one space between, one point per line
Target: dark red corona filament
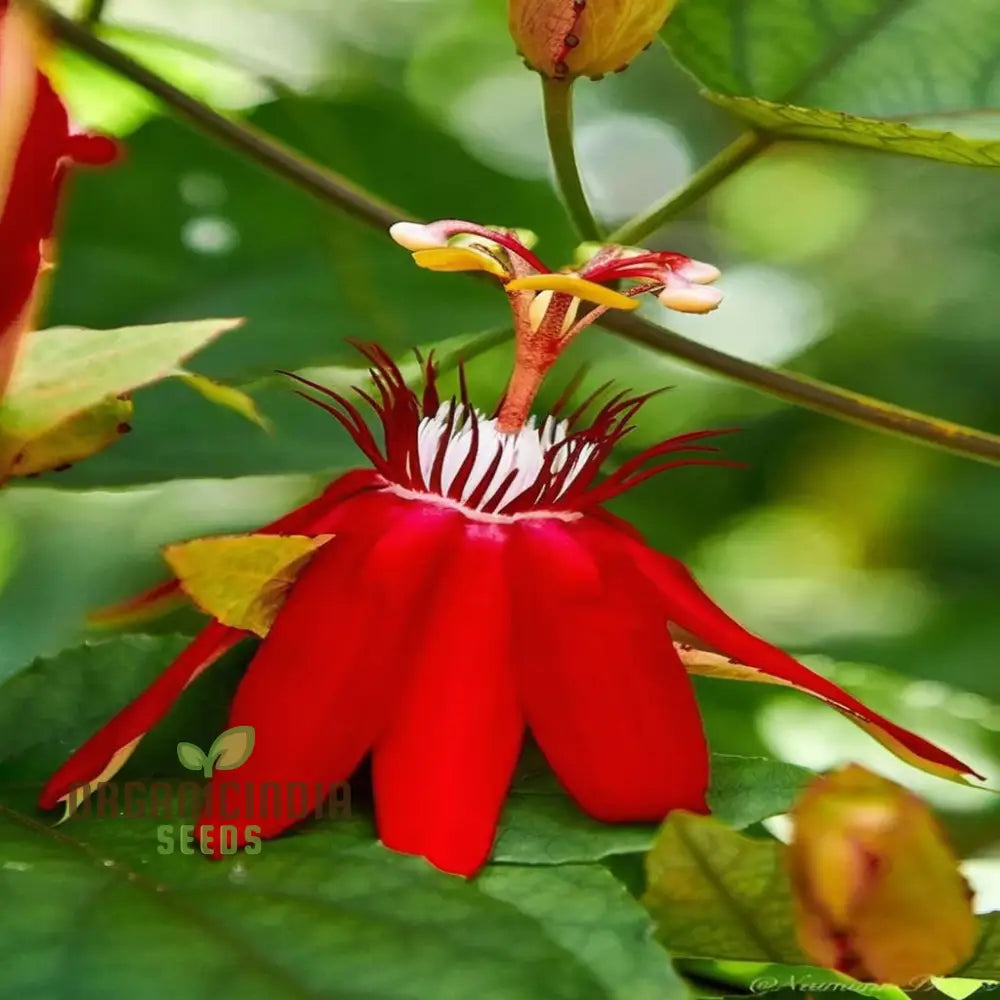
569 479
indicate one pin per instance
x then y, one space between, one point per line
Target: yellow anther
571 284
459 259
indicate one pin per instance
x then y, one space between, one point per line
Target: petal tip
690 298
415 236
700 272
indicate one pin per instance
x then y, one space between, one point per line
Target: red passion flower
474 588
37 145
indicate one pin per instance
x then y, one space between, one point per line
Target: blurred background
875 559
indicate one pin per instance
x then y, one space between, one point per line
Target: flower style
37 146
473 587
545 303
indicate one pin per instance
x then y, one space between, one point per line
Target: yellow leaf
225 395
76 438
571 284
876 887
242 580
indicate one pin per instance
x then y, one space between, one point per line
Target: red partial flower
37 146
474 588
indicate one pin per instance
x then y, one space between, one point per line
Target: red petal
690 607
138 717
442 769
93 150
321 516
603 691
326 678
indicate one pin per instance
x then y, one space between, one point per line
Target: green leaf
718 894
590 914
328 913
9 548
880 58
985 963
542 826
789 121
548 829
745 790
957 987
225 395
192 757
66 370
50 708
78 437
64 400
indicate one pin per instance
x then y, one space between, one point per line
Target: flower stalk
558 100
317 181
93 12
814 394
726 162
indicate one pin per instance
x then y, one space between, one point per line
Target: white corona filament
523 450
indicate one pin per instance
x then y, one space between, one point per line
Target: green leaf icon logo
191 756
231 748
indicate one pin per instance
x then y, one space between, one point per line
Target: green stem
316 180
558 97
728 161
812 394
92 12
327 187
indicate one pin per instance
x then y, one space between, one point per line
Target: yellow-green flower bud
877 890
567 38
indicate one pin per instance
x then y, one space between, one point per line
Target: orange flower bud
566 38
878 894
